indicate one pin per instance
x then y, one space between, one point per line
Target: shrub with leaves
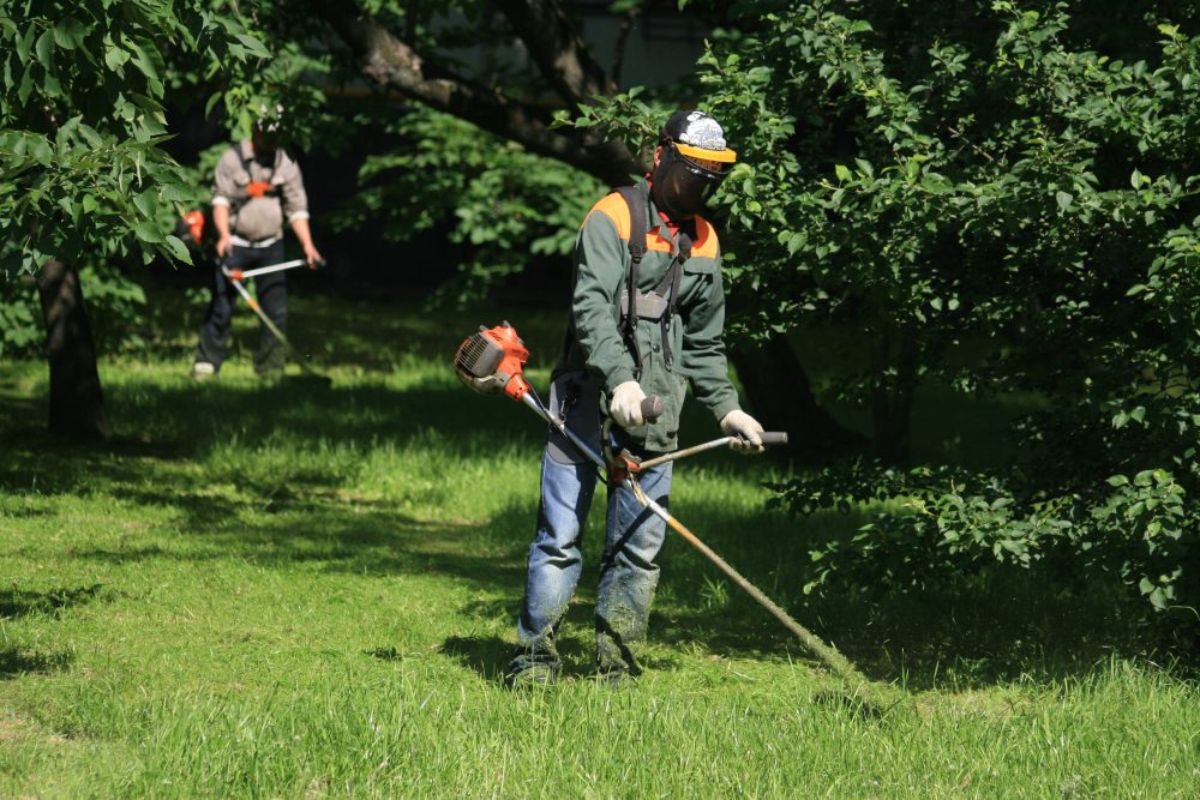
1011 177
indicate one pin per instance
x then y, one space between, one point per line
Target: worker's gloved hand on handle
746 428
626 405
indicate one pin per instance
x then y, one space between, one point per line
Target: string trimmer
236 276
492 361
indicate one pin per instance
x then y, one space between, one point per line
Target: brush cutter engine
493 361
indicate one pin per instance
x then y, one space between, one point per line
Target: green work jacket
594 341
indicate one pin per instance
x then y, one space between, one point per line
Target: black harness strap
668 287
670 283
637 249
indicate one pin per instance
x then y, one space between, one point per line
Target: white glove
739 424
626 405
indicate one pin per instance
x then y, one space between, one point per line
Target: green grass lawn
293 591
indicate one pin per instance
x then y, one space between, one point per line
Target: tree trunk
780 396
76 401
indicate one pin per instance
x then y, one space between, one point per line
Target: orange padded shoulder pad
614 207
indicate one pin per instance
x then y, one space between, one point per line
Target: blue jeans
633 537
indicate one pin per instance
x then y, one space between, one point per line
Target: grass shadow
15 662
486 655
286 511
16 603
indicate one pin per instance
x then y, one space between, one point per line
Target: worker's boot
537 665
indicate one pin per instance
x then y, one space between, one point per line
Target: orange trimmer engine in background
194 220
492 361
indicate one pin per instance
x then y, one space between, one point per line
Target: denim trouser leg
628 574
554 556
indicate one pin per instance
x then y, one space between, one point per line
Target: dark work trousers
271 291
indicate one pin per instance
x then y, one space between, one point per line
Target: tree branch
392 64
557 50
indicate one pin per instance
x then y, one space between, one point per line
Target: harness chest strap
660 303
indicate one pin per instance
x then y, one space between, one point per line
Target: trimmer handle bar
652 408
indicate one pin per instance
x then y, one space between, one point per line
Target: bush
1002 176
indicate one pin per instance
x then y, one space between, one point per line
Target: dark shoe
531 676
536 666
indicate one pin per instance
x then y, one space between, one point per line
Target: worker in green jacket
647 318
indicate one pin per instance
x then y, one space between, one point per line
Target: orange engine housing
194 220
493 361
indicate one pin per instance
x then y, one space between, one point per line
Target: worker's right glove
626 405
746 428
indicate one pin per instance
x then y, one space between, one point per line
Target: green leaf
253 46
24 45
1064 199
45 49
146 202
934 183
843 172
69 33
115 58
148 232
178 249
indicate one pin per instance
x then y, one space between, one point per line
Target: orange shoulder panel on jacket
614 207
706 244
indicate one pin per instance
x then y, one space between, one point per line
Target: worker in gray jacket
256 187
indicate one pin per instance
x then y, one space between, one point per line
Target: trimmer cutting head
492 361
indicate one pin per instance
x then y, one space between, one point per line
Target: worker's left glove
745 428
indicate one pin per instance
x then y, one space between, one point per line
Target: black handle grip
773 437
652 408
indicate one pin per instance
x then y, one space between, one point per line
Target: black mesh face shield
682 184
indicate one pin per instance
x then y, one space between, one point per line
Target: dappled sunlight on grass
287 589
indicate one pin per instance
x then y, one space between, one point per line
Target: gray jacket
259 218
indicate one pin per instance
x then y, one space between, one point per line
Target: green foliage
114 303
505 204
21 331
930 528
987 178
81 121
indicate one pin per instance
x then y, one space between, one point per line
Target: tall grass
290 591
